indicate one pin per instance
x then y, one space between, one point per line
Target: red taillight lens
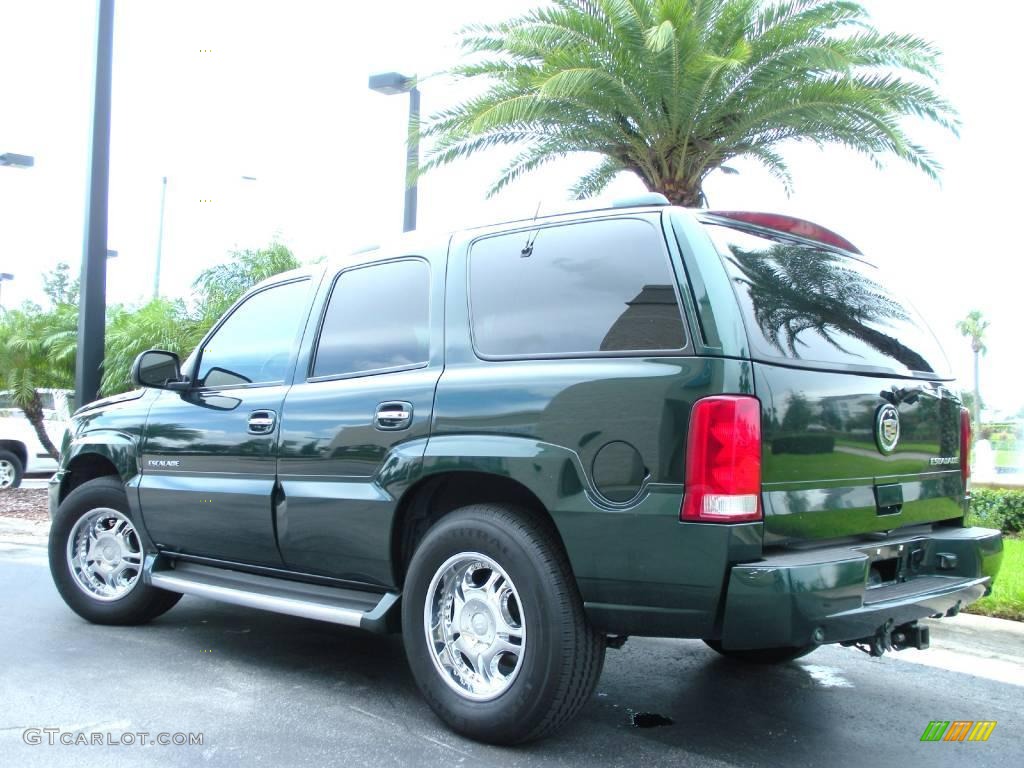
723 460
965 445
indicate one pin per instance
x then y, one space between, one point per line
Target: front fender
119 448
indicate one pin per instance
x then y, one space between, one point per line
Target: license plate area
891 563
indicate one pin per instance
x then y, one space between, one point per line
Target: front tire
494 627
96 557
762 655
11 470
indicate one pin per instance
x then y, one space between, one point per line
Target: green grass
1007 598
1007 459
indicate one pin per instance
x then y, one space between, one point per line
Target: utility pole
160 240
412 160
93 292
390 83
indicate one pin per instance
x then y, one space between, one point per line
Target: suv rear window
592 288
814 305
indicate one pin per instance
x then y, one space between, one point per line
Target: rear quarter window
584 289
819 307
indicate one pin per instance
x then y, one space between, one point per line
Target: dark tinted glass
378 317
816 305
254 344
602 286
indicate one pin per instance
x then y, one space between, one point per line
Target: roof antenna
532 238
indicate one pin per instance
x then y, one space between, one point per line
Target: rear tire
96 557
11 470
489 577
762 655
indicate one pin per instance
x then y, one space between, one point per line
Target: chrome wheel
7 474
475 627
104 554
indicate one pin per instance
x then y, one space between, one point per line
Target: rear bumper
799 598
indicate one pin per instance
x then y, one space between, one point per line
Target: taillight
965 445
723 460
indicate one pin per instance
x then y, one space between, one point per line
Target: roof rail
791 225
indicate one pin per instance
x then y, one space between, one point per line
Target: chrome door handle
395 414
262 422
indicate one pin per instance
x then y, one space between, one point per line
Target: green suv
522 443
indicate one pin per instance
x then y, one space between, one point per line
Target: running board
349 607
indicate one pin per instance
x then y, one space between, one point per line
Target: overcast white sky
282 97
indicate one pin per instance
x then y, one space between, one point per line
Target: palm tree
27 363
973 326
170 324
674 90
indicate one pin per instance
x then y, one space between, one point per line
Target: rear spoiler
790 225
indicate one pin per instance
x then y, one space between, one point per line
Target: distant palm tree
674 90
27 363
973 326
169 323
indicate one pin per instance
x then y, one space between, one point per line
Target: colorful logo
958 730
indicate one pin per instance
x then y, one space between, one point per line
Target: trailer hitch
887 638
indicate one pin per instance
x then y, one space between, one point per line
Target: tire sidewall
526 701
19 469
92 495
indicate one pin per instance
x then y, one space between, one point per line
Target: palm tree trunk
977 392
679 193
34 413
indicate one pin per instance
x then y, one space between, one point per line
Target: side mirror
158 369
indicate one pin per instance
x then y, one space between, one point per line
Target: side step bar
349 607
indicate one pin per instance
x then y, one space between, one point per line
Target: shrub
1001 508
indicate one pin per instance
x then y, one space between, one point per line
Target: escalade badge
887 428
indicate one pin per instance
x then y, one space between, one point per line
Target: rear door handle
394 414
262 422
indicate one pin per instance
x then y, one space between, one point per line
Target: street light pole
160 240
412 161
390 83
92 297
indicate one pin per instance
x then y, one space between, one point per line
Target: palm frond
672 89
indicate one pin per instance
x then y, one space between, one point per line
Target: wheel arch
98 455
18 448
430 499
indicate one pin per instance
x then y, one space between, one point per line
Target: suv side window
254 344
377 319
592 288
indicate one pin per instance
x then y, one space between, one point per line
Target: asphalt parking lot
279 691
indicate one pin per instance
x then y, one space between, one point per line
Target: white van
21 452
